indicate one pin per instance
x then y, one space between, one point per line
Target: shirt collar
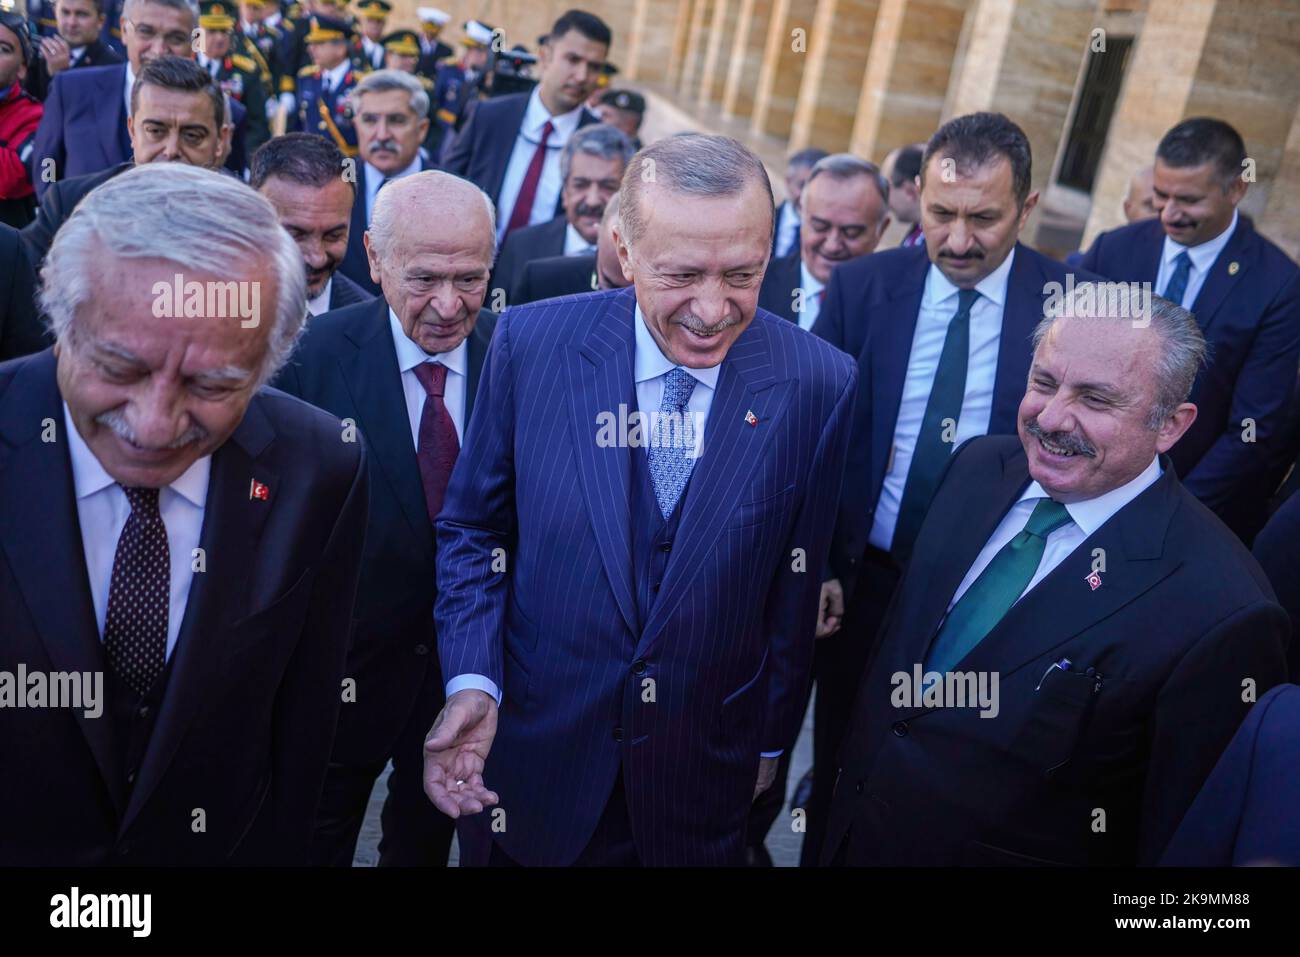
89 477
337 74
410 355
130 82
574 243
1202 256
315 304
376 175
992 287
1092 513
536 115
649 361
809 283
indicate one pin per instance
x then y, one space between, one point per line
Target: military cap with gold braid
402 42
216 15
324 29
375 9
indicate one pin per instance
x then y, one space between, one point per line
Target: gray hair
385 81
188 6
1183 349
198 219
389 209
845 166
698 165
599 140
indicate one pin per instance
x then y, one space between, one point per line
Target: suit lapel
476 352
506 133
732 451
44 540
600 379
1020 314
113 134
1239 251
890 348
232 529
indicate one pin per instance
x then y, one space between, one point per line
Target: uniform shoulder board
311 69
242 62
425 81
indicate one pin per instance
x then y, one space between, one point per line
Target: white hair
193 217
190 6
384 81
391 206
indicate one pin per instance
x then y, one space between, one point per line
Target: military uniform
40 14
372 52
432 50
454 89
239 76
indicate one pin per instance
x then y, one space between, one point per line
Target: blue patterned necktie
1177 284
672 441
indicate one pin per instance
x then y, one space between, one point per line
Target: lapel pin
257 490
1233 268
1094 579
751 418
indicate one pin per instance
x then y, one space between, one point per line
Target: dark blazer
1246 813
1250 315
1159 652
553 277
728 639
344 292
782 278
542 241
57 205
98 53
84 126
346 364
355 265
21 330
481 151
870 312
1277 548
245 726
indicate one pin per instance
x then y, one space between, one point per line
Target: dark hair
186 76
98 5
809 157
588 24
303 158
1201 140
977 139
907 165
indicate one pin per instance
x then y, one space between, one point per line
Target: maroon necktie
528 189
437 446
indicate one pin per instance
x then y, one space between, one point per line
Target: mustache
972 256
1070 441
115 421
387 145
698 325
594 211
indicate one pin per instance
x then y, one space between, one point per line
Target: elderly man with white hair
178 546
404 368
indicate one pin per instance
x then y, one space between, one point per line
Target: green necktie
996 589
932 450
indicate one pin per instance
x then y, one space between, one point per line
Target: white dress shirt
130 82
75 54
787 218
320 304
548 186
102 510
410 355
333 77
1202 256
812 307
374 179
574 244
938 306
1088 516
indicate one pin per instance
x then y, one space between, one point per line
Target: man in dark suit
1277 548
84 129
368 364
649 621
941 335
178 115
845 211
591 166
510 146
76 44
1055 678
209 536
21 331
301 175
569 275
785 237
391 118
1245 813
1245 293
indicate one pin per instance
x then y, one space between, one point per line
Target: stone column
831 85
784 55
746 57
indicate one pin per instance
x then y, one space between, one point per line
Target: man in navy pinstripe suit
626 615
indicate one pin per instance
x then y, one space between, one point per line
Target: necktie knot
1176 287
965 300
678 386
433 376
144 501
1047 517
547 129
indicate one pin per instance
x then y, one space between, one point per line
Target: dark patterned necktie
139 594
437 445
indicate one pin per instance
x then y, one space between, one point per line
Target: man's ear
1172 429
224 137
371 258
624 252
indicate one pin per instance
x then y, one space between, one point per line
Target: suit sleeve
1200 708
461 151
308 700
791 613
477 519
830 321
38 235
1092 258
21 330
1262 394
49 139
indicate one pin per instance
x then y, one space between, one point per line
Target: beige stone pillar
697 39
831 85
721 37
651 53
784 55
746 60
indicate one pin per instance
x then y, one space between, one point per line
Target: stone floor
782 842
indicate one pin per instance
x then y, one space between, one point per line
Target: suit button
421 649
900 728
143 712
618 734
320 126
638 667
860 787
130 777
665 546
